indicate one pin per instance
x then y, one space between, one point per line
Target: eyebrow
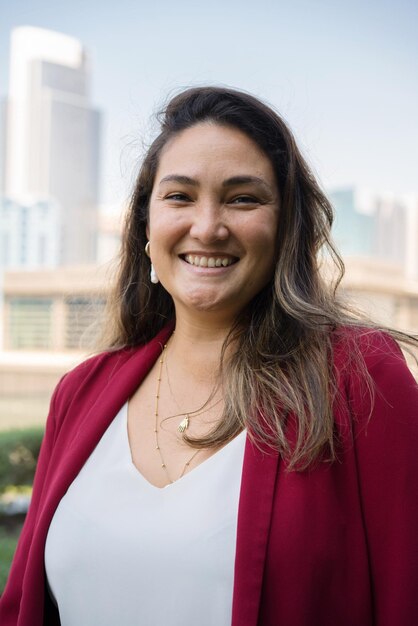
242 180
179 178
229 182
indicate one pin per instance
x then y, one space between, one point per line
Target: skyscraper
53 133
354 229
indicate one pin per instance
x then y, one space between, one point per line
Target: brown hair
283 361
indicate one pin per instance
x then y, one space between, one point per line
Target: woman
256 466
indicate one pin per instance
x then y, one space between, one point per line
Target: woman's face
213 220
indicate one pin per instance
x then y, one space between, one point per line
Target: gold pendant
183 424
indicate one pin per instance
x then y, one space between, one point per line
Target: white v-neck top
122 552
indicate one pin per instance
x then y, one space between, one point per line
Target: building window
30 323
83 315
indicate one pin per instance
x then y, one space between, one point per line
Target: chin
205 305
210 303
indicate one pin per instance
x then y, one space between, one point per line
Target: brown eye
178 197
244 200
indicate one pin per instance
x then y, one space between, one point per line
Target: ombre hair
281 361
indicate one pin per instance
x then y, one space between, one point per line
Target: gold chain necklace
184 424
156 431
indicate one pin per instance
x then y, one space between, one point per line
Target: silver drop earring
153 273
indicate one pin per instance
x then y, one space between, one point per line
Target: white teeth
204 261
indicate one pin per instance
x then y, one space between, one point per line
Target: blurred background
80 83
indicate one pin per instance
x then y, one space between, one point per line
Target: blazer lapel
96 420
255 507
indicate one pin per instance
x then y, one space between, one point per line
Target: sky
344 75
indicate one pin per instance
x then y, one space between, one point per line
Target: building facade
53 134
54 310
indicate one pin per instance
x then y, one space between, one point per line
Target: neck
195 348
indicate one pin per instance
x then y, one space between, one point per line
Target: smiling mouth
209 261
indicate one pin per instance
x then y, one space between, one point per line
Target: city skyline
344 77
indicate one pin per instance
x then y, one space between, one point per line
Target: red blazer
336 545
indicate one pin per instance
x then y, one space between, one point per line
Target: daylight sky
343 74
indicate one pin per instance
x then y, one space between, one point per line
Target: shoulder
372 374
81 386
104 373
104 365
357 347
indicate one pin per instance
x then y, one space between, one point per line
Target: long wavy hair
281 364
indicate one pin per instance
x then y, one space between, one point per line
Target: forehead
213 147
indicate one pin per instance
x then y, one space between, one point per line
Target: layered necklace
181 427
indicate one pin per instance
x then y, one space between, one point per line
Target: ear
147 231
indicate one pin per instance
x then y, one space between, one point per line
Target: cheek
157 226
260 229
265 252
263 239
165 235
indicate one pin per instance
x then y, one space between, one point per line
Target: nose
209 223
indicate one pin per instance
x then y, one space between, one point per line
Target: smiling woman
244 449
